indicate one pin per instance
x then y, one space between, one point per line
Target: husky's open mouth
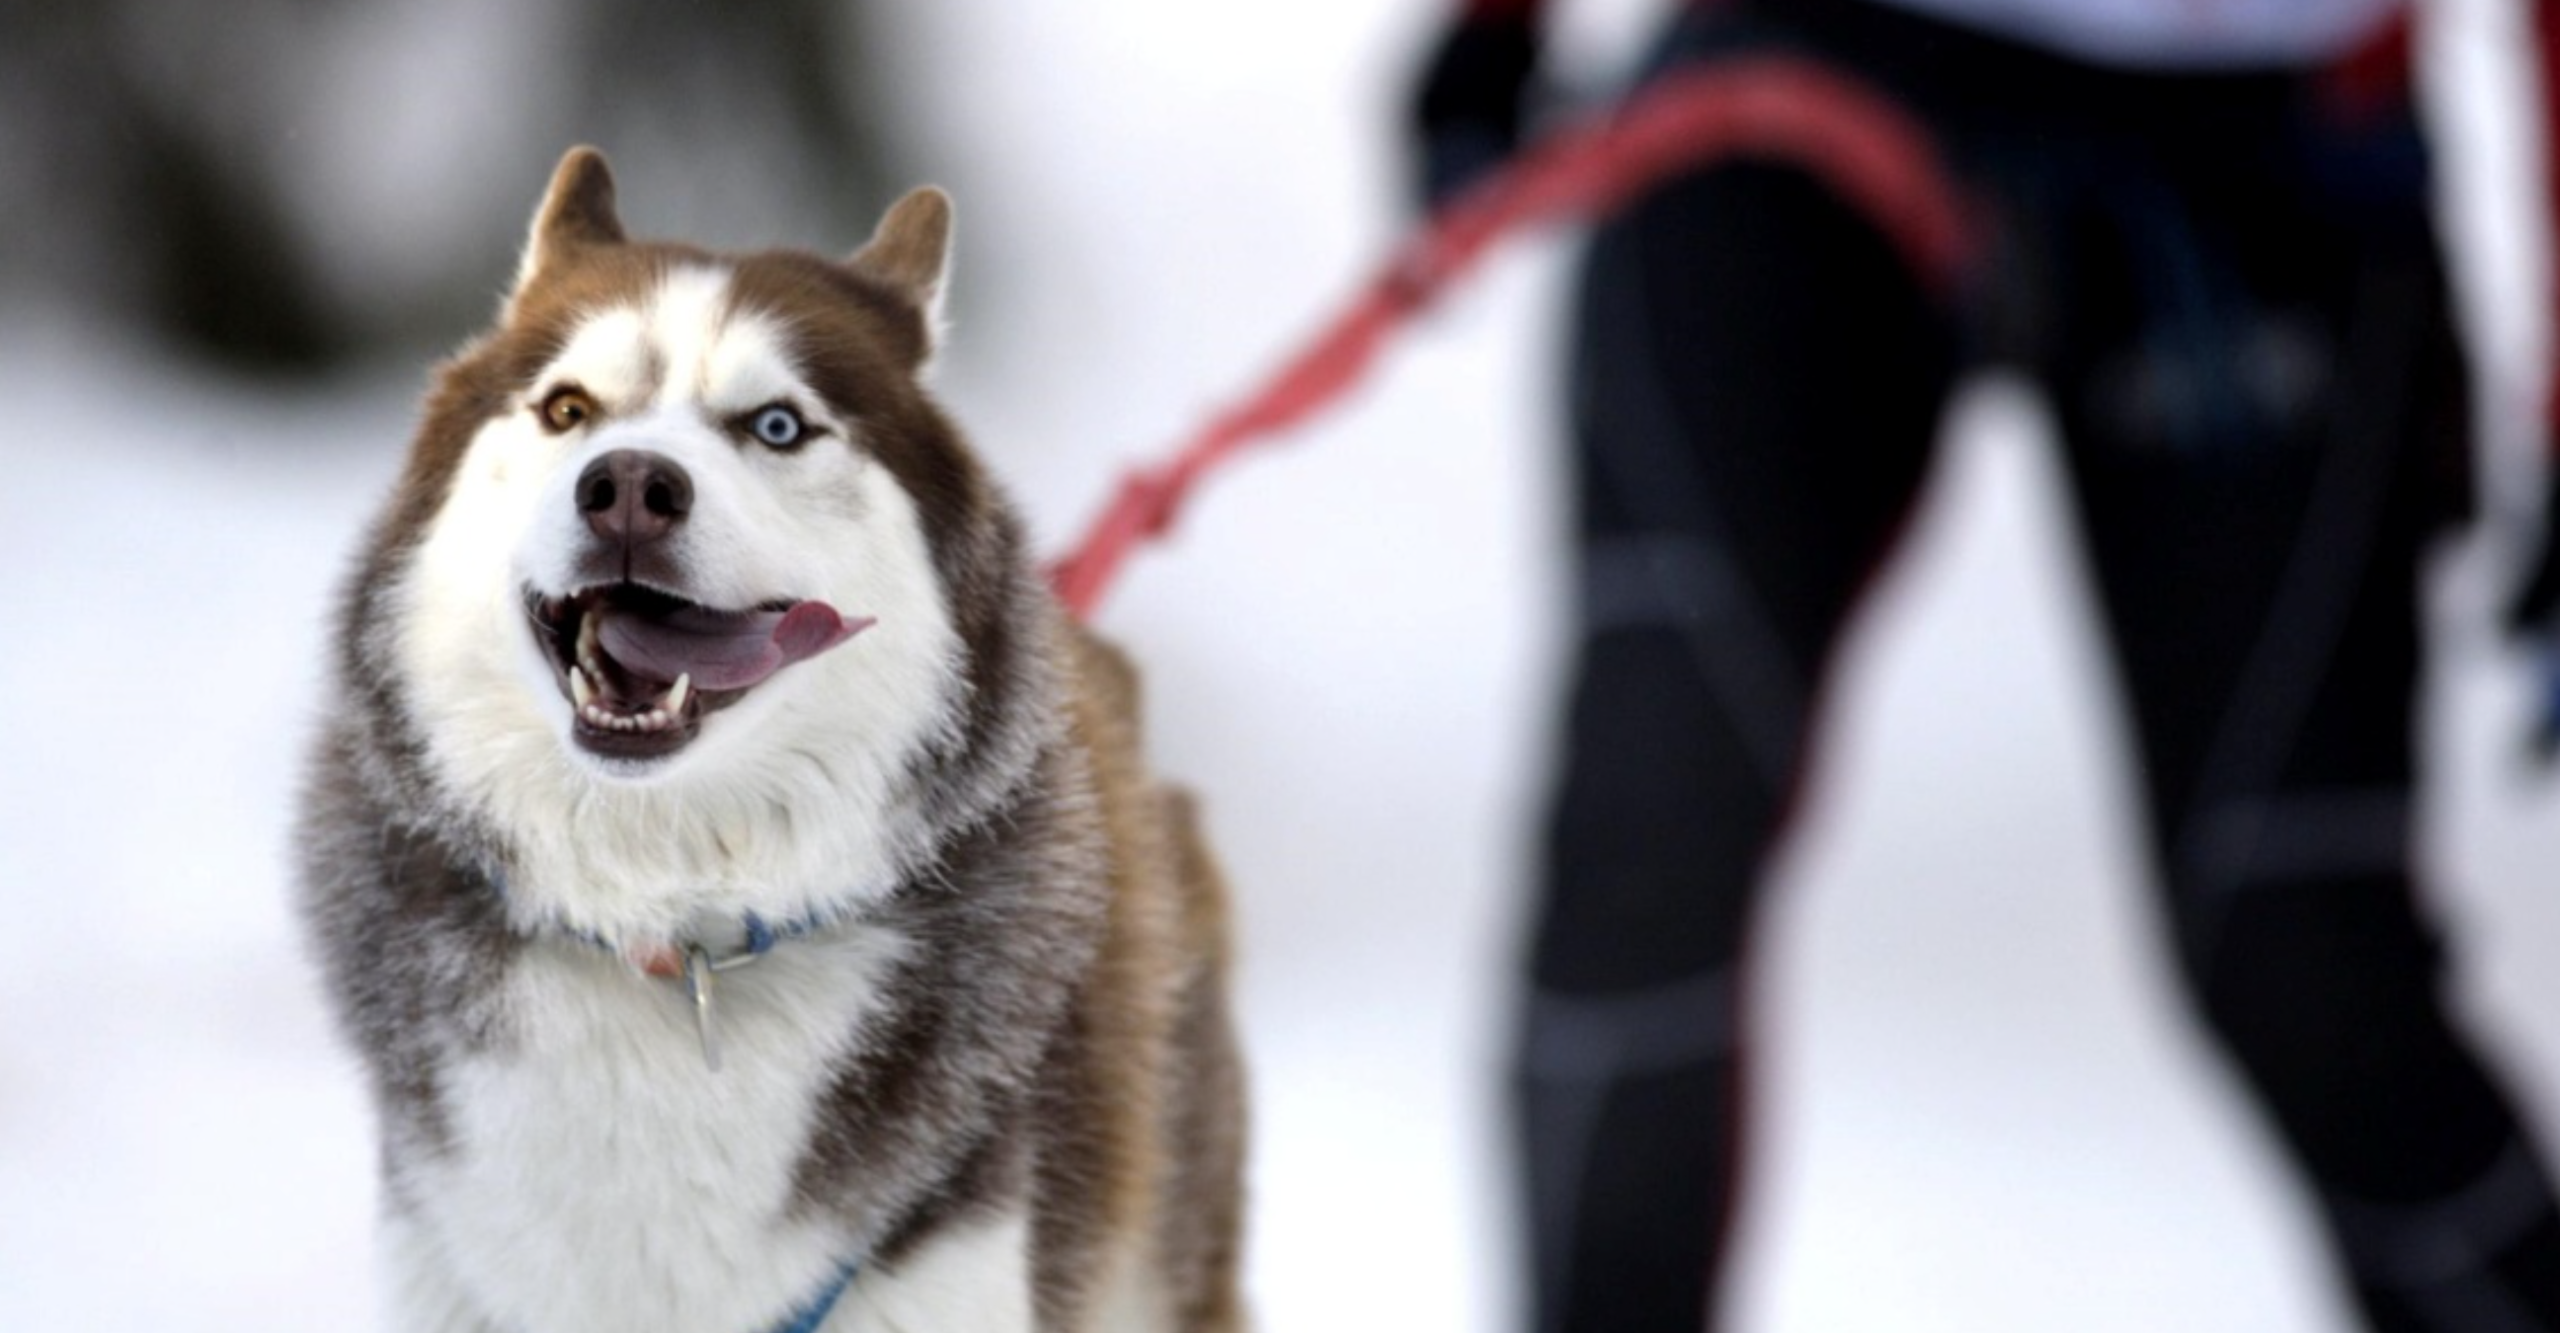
641 666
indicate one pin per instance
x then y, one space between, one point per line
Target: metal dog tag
699 975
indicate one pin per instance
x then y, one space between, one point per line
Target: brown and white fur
993 1066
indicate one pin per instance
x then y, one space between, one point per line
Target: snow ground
1983 1111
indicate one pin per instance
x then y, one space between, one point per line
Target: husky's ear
911 252
576 212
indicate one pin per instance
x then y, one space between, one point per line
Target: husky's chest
603 1176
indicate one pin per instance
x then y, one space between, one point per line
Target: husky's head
688 579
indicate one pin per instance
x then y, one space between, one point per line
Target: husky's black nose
631 497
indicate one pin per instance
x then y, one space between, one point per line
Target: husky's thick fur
694 635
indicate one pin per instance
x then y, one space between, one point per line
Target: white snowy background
1983 1110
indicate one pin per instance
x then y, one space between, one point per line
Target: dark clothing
2229 287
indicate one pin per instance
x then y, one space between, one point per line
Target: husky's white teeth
656 719
589 649
588 700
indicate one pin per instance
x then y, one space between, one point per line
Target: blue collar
758 935
807 1318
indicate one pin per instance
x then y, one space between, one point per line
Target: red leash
1866 149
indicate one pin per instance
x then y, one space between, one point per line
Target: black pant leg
1756 388
2261 590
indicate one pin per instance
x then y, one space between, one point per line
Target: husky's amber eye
565 409
777 426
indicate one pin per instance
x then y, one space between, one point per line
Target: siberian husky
739 879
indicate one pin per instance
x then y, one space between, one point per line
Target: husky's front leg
420 1291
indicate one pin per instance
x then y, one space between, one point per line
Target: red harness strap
1867 150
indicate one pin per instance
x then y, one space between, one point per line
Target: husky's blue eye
777 426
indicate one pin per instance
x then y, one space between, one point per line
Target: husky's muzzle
640 661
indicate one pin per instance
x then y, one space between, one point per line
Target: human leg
1756 389
2260 583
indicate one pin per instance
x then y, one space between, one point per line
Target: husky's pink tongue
723 650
